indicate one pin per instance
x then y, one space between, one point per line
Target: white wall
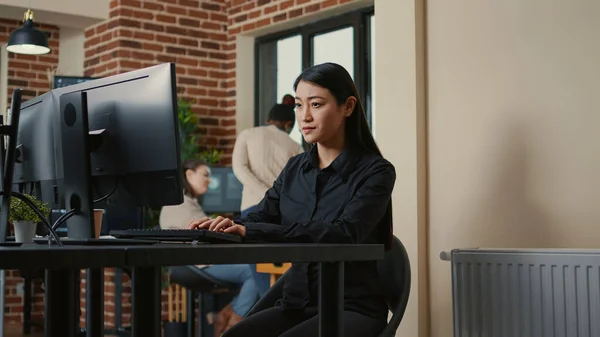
71 51
70 13
513 130
90 8
400 132
244 81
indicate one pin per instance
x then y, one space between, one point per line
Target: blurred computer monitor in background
224 193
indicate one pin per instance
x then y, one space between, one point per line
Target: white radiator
525 293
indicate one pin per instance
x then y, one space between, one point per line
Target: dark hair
288 100
338 81
282 113
189 164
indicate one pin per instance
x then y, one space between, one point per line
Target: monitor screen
224 193
65 81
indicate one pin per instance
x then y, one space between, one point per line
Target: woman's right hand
202 223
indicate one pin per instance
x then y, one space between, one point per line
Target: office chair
395 274
200 283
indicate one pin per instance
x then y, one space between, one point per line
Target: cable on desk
37 211
63 218
109 193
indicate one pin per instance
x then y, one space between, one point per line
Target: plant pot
174 329
24 231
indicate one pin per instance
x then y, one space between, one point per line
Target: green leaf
20 211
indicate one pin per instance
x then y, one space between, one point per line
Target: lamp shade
27 39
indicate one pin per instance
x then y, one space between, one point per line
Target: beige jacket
259 156
178 216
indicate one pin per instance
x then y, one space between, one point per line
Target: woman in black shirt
338 192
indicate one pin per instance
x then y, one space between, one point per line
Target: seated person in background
196 177
338 192
259 155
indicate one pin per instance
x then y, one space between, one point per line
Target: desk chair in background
199 284
394 272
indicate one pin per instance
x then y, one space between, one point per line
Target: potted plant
25 219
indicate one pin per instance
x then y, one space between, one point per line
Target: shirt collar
343 164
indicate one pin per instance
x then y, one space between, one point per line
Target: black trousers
274 322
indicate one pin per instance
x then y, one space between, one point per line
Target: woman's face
198 179
318 115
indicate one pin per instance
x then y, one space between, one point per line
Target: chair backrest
394 280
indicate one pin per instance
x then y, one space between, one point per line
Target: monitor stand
7 159
76 164
78 196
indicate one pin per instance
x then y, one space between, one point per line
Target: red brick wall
248 15
29 73
199 36
190 33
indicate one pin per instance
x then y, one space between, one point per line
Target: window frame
358 19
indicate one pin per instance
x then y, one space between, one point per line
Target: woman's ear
349 106
188 174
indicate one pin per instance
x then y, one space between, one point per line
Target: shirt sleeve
360 216
241 166
268 208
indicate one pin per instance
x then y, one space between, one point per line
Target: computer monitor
117 135
224 193
64 81
35 169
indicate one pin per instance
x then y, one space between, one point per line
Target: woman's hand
237 230
201 223
218 224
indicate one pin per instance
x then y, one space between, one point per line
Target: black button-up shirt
346 202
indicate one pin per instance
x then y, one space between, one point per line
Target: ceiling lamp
27 39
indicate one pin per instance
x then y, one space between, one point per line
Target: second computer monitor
134 143
130 135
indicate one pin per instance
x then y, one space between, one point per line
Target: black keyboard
185 235
95 242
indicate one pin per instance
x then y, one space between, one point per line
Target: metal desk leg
118 280
27 305
331 299
94 301
61 307
190 313
2 282
200 314
145 287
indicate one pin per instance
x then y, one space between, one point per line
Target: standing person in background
261 152
259 155
288 100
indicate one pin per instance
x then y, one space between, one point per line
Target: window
336 46
347 39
